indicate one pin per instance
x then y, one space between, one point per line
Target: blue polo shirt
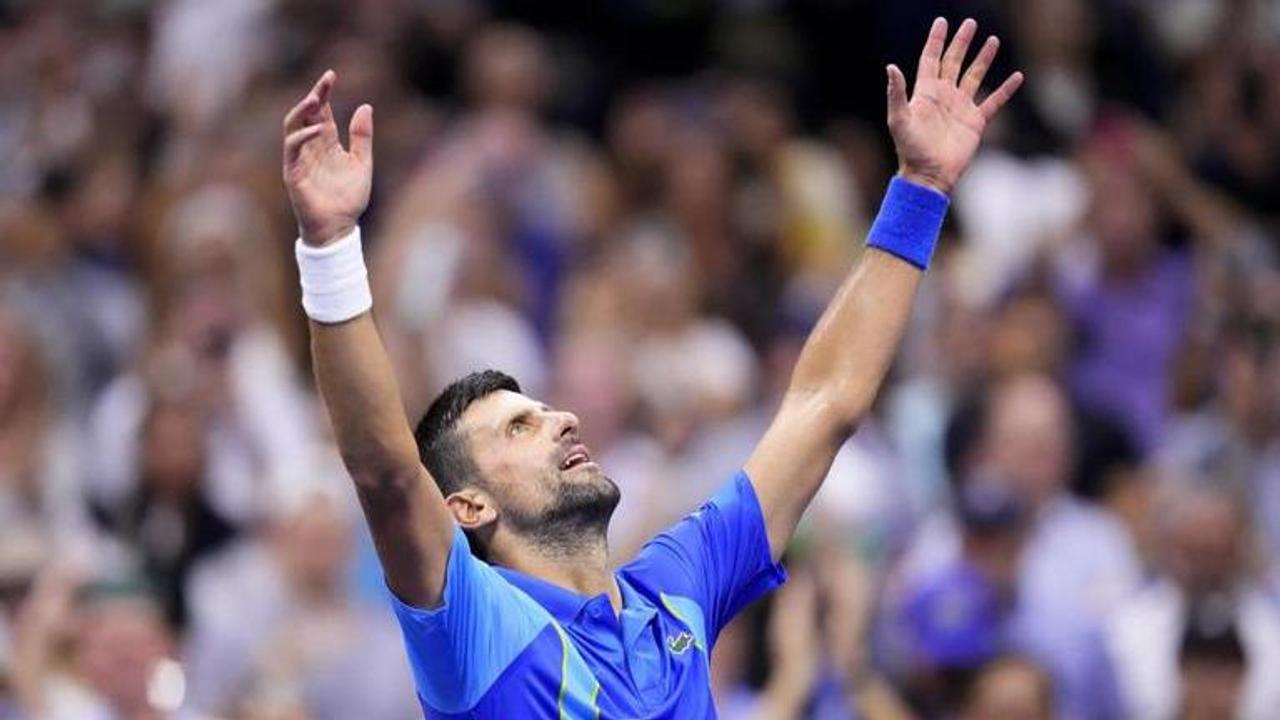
503 644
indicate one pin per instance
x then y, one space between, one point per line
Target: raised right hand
328 185
937 131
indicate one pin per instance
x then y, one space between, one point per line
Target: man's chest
645 662
642 659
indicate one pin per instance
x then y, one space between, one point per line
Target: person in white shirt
1205 537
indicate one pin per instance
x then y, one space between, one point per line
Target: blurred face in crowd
1058 30
963 340
757 115
1028 438
1205 541
1245 393
1010 690
173 449
589 379
315 544
534 465
506 67
697 189
120 643
1028 337
658 281
100 209
639 134
211 273
1123 219
206 308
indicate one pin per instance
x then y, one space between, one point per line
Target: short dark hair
441 447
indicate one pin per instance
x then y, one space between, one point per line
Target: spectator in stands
1206 568
1078 560
40 476
646 196
306 644
958 618
216 342
167 522
120 663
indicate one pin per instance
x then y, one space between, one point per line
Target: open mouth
578 455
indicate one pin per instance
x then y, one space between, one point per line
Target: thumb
361 132
897 96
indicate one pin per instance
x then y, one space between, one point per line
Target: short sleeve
459 649
718 556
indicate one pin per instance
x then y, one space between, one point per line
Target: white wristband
335 284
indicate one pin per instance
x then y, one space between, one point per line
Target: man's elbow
832 411
380 472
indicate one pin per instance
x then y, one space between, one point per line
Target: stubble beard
576 521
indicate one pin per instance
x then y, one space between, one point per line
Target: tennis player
490 517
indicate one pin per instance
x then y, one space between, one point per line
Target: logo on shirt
681 643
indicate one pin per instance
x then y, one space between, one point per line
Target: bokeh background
1067 503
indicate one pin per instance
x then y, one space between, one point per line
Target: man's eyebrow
544 407
522 416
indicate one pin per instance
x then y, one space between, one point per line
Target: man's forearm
358 386
845 359
411 525
850 351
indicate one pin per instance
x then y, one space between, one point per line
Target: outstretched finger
898 107
959 47
931 56
299 114
361 133
997 99
316 97
296 140
324 86
977 71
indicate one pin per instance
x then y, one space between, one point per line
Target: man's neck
584 571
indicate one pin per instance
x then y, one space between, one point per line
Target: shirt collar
563 604
637 612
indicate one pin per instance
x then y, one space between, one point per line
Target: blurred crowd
1066 505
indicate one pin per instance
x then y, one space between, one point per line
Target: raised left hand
937 131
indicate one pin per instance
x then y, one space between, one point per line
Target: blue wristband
909 221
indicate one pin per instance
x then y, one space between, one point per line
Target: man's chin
579 512
588 488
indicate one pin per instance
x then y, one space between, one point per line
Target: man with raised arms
490 518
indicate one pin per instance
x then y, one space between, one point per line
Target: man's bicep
412 531
790 462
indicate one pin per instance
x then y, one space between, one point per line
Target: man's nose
567 424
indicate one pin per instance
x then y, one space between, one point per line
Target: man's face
1029 438
118 648
534 466
1206 540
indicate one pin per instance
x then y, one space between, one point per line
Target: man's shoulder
485 629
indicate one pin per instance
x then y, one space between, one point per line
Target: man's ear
472 508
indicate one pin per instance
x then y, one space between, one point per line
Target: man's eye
517 428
